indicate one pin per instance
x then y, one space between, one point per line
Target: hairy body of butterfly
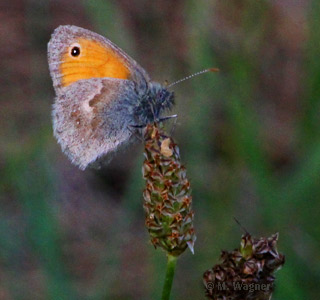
101 95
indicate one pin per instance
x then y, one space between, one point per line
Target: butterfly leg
138 126
168 117
175 117
174 125
134 132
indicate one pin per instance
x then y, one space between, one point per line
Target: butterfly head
151 106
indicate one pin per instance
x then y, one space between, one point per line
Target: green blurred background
249 137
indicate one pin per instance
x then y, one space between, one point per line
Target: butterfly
102 95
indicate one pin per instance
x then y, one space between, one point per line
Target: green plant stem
171 265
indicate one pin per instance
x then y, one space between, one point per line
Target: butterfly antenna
193 75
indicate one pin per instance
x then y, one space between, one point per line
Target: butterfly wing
96 84
93 118
75 53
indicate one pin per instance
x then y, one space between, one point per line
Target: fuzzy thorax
151 104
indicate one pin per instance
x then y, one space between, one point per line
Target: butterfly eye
75 51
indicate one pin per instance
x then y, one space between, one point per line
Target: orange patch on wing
95 61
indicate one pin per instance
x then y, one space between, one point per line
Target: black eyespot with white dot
75 51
